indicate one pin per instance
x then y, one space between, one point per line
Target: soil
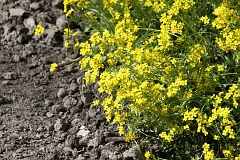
46 115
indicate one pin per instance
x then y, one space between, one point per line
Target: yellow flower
147 155
216 137
66 44
39 30
96 102
205 19
130 136
69 12
53 67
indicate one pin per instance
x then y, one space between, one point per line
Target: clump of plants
170 70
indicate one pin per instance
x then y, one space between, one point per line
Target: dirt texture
47 115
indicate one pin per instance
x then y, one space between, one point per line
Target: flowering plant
170 70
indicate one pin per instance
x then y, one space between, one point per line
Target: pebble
132 153
35 5
60 125
49 114
61 22
61 93
57 108
10 75
30 24
83 132
74 87
48 102
69 102
16 11
86 98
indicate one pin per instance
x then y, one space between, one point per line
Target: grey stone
17 58
10 75
5 82
83 131
132 153
92 111
4 100
60 125
57 108
48 102
67 150
93 142
50 32
76 122
56 3
62 22
80 157
69 102
35 5
61 93
106 154
16 11
3 16
49 114
74 87
86 98
30 24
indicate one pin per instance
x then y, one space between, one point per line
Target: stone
61 93
57 108
86 98
62 22
60 125
35 5
74 87
30 24
69 103
16 11
10 75
83 132
132 153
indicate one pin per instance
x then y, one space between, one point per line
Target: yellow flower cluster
53 67
39 30
163 70
208 154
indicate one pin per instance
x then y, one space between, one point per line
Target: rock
4 100
35 5
77 108
106 154
10 75
76 122
67 151
69 102
86 98
132 153
92 111
48 102
80 157
49 114
57 108
60 125
61 93
30 24
3 16
62 22
50 32
74 87
5 82
83 132
98 139
57 4
16 12
16 58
